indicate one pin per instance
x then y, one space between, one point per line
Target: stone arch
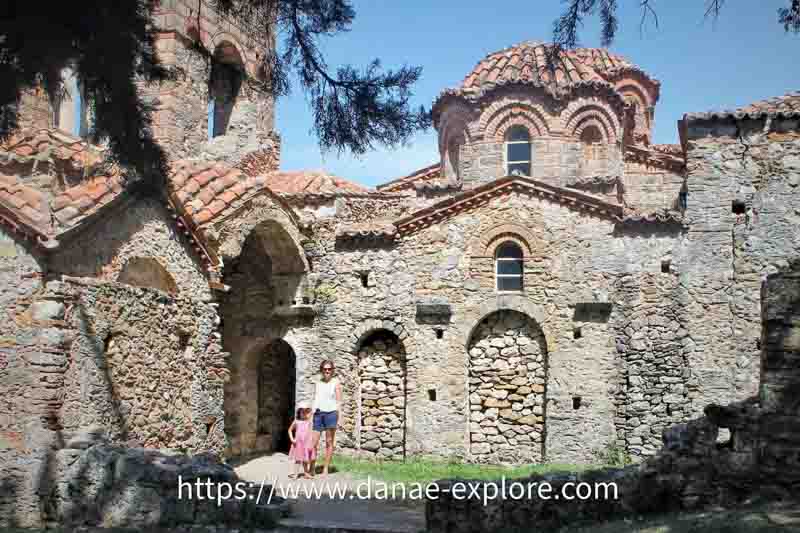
370 326
381 395
147 272
500 116
506 302
507 379
265 279
484 245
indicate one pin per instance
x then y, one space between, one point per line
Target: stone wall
743 183
382 397
573 262
692 470
181 115
144 365
26 385
139 228
507 380
650 188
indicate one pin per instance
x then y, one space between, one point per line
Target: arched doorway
276 395
265 276
507 389
382 395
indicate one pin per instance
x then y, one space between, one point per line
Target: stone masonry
193 320
508 362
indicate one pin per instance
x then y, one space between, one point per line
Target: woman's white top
325 395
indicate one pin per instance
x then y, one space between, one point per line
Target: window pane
518 133
509 284
509 267
519 152
522 169
509 249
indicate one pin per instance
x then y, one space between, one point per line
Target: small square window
576 402
364 279
577 333
665 266
738 207
439 333
432 395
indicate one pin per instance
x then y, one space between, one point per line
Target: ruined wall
143 365
181 115
25 383
743 179
141 228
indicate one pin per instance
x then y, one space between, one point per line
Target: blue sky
744 57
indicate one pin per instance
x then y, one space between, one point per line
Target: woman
327 397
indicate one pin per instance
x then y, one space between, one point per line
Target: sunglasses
327 370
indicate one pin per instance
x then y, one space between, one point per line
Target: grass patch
424 471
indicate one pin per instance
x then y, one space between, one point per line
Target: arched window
518 152
223 88
508 266
70 106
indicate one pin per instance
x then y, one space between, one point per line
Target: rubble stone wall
382 395
692 470
743 185
507 380
140 228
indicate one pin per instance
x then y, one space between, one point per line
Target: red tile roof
56 207
201 190
787 105
28 204
528 61
430 173
299 182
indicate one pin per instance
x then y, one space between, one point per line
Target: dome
527 62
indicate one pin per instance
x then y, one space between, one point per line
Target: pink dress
302 450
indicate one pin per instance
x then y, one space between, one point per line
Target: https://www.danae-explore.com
487 491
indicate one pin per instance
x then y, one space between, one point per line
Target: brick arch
588 123
628 84
501 115
579 112
483 245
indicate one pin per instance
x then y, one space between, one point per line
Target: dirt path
332 503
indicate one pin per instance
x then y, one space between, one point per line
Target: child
300 435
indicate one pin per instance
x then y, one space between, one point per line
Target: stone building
554 287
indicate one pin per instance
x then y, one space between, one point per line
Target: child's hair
299 413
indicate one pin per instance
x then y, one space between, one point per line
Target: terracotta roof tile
27 203
430 173
528 60
787 106
311 182
559 74
202 190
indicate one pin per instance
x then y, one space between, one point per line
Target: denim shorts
325 420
